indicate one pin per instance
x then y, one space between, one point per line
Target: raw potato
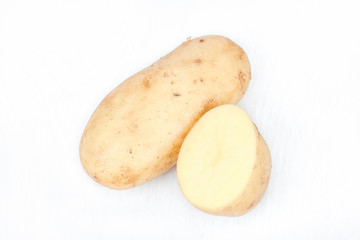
224 163
136 132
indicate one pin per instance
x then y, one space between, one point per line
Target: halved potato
224 163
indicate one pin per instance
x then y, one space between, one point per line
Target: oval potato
136 132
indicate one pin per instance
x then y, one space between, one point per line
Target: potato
224 164
136 132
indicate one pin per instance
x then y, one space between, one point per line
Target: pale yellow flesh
217 159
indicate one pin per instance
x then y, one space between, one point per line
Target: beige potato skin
255 188
136 132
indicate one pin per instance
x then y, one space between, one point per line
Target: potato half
224 163
136 132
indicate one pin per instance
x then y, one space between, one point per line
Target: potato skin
136 132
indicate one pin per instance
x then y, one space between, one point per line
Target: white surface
58 59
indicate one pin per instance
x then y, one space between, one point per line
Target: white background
58 59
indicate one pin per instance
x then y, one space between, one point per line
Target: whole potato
136 132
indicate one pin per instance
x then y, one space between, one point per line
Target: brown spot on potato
197 61
194 81
172 82
241 77
130 151
165 74
201 40
177 94
209 104
146 83
127 176
251 205
201 80
241 56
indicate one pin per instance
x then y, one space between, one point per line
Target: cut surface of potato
224 164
